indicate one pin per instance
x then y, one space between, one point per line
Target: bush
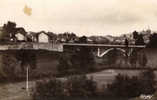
46 90
81 86
74 86
8 67
125 86
79 62
147 79
152 41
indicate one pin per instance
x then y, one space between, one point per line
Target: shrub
81 86
46 90
125 86
147 79
8 67
74 86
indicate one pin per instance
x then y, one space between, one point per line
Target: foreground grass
14 91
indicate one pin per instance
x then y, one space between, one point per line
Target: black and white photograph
78 49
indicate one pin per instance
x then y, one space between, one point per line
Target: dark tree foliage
47 90
81 86
74 86
83 60
80 61
83 39
65 66
135 35
125 86
143 60
8 66
112 57
27 58
8 29
138 38
152 41
148 82
126 42
133 58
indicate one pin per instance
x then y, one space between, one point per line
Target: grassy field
14 91
17 91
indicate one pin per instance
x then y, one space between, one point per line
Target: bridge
32 46
102 45
102 49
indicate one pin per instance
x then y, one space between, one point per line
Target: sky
83 17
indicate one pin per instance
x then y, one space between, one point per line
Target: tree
143 60
83 39
125 86
7 31
152 41
112 57
83 59
138 38
133 58
9 27
47 90
126 42
73 86
135 35
81 86
9 64
147 79
65 66
27 58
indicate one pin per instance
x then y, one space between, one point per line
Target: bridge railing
48 46
33 46
104 45
60 46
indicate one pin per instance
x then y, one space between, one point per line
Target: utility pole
27 80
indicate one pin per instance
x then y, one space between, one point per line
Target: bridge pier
98 53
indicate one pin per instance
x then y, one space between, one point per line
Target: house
20 37
43 38
33 36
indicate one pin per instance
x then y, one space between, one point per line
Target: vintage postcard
78 50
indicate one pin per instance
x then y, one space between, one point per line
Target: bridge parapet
48 46
33 46
61 47
103 49
103 45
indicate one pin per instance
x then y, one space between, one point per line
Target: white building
20 37
43 38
